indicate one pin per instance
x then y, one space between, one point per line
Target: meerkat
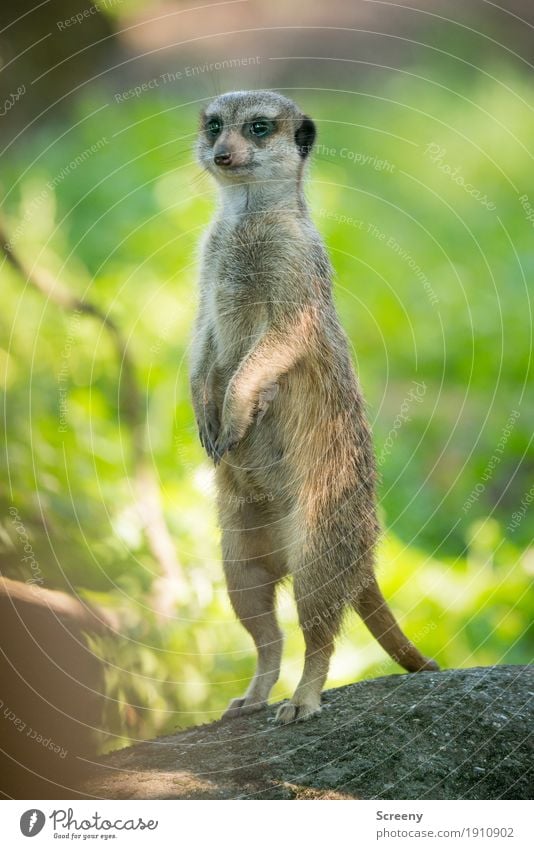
278 406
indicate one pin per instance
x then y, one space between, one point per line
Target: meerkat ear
305 136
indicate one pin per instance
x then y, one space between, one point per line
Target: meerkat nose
224 158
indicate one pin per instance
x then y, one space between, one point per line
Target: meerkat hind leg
251 588
319 634
306 701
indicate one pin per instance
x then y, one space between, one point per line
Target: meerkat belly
267 457
311 417
261 464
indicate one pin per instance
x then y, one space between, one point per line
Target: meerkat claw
222 447
242 707
286 714
290 712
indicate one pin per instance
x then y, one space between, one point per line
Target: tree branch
173 584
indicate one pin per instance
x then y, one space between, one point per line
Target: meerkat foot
242 707
292 712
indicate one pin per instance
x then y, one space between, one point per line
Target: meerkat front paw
225 442
292 712
208 429
242 707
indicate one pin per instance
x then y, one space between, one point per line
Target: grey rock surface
457 734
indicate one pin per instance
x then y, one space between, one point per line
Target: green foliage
432 287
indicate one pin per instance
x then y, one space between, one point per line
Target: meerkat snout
223 158
259 135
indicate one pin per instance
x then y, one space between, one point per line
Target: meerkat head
254 136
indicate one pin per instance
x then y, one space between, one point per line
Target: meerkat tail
376 614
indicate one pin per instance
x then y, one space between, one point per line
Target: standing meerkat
278 406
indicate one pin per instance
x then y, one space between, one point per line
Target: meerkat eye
214 126
261 127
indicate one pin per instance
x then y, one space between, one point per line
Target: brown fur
279 409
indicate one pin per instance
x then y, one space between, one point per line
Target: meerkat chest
238 321
240 292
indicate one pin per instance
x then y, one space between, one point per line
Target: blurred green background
417 188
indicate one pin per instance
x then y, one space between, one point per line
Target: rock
457 734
